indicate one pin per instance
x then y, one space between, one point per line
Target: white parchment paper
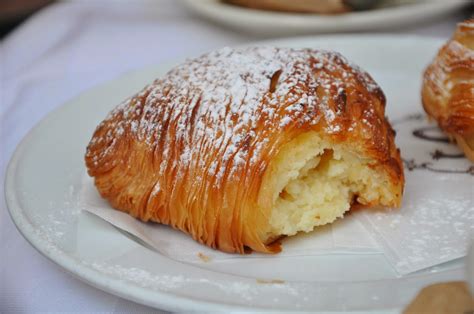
436 220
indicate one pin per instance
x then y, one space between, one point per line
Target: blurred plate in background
388 14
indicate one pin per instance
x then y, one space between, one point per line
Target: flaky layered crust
448 88
191 149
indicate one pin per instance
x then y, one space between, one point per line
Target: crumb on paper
204 258
270 281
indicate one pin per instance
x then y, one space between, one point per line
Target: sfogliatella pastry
240 147
448 88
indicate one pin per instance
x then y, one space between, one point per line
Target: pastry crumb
204 258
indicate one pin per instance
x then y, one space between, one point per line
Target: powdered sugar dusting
168 282
217 103
427 231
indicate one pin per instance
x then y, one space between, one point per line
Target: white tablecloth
61 51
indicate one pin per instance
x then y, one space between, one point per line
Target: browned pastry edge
447 297
448 88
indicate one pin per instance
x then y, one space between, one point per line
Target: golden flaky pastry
240 147
448 88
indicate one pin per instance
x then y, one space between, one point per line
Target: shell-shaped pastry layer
448 87
191 150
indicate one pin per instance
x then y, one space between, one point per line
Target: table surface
56 54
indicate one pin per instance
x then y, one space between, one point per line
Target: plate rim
95 278
301 22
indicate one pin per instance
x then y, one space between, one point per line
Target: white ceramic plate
395 14
46 172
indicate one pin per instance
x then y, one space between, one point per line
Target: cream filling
315 183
